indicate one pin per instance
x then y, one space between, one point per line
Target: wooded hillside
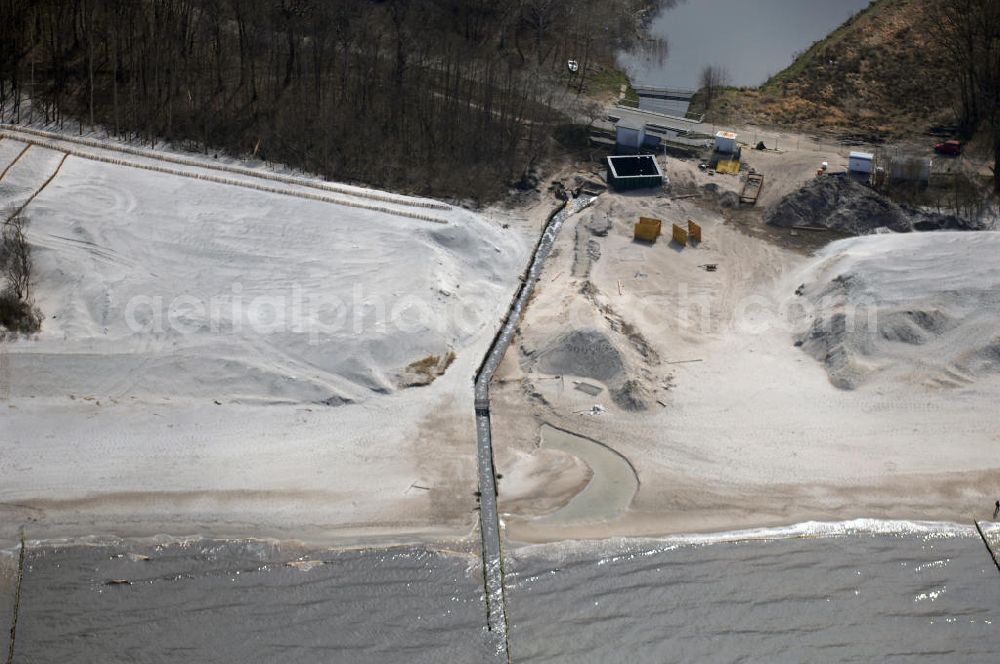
445 97
883 72
897 68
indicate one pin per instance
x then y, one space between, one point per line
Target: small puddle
609 491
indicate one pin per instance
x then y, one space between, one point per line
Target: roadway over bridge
677 130
668 101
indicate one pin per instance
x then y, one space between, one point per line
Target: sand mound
589 353
920 308
159 285
584 353
632 396
723 197
843 205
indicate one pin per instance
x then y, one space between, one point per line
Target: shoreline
737 506
467 547
699 526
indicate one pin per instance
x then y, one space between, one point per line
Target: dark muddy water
869 594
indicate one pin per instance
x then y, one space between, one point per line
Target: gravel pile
840 204
585 353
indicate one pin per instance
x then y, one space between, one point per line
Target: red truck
953 148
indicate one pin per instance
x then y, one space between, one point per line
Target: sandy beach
680 395
222 361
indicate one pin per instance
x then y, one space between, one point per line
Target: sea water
856 595
206 601
857 592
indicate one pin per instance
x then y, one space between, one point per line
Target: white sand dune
157 285
921 308
164 296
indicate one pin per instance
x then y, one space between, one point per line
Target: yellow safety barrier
694 230
648 229
680 235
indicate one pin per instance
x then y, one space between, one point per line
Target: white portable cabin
725 142
861 162
629 137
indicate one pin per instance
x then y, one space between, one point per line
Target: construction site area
756 335
733 337
492 332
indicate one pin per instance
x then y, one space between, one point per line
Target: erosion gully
489 519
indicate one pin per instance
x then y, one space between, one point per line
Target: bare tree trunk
90 62
114 83
996 158
713 78
31 108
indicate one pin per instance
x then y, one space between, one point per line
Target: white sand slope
922 308
158 285
197 336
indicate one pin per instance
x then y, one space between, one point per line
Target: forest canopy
455 97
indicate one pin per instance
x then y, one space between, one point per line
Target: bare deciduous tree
970 34
15 256
451 94
713 78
